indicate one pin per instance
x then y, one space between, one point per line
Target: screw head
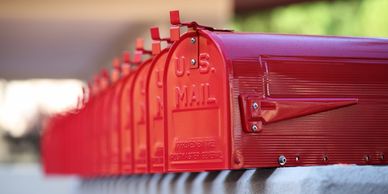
282 160
367 158
193 40
255 105
325 158
193 61
254 128
237 159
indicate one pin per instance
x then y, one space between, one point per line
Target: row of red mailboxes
216 99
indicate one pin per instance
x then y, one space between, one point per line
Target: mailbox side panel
196 99
356 134
155 115
322 100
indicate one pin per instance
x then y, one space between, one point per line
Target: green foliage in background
341 17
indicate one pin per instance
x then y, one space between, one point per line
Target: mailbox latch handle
257 111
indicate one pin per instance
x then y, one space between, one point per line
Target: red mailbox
93 124
69 143
155 103
197 105
126 151
110 99
79 144
139 108
127 115
243 100
216 99
114 115
103 123
90 137
87 136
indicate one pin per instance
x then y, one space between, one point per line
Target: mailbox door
139 124
105 140
82 143
96 113
82 169
87 139
110 135
155 115
115 125
197 105
92 137
126 158
70 145
99 131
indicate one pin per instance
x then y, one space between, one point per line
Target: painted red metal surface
126 152
196 105
103 127
113 114
139 124
347 71
89 161
94 152
155 114
217 99
155 101
320 100
134 159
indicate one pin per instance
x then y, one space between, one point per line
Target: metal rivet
255 106
193 40
254 128
237 159
366 158
193 61
325 158
282 160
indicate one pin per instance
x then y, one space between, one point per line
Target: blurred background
50 49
